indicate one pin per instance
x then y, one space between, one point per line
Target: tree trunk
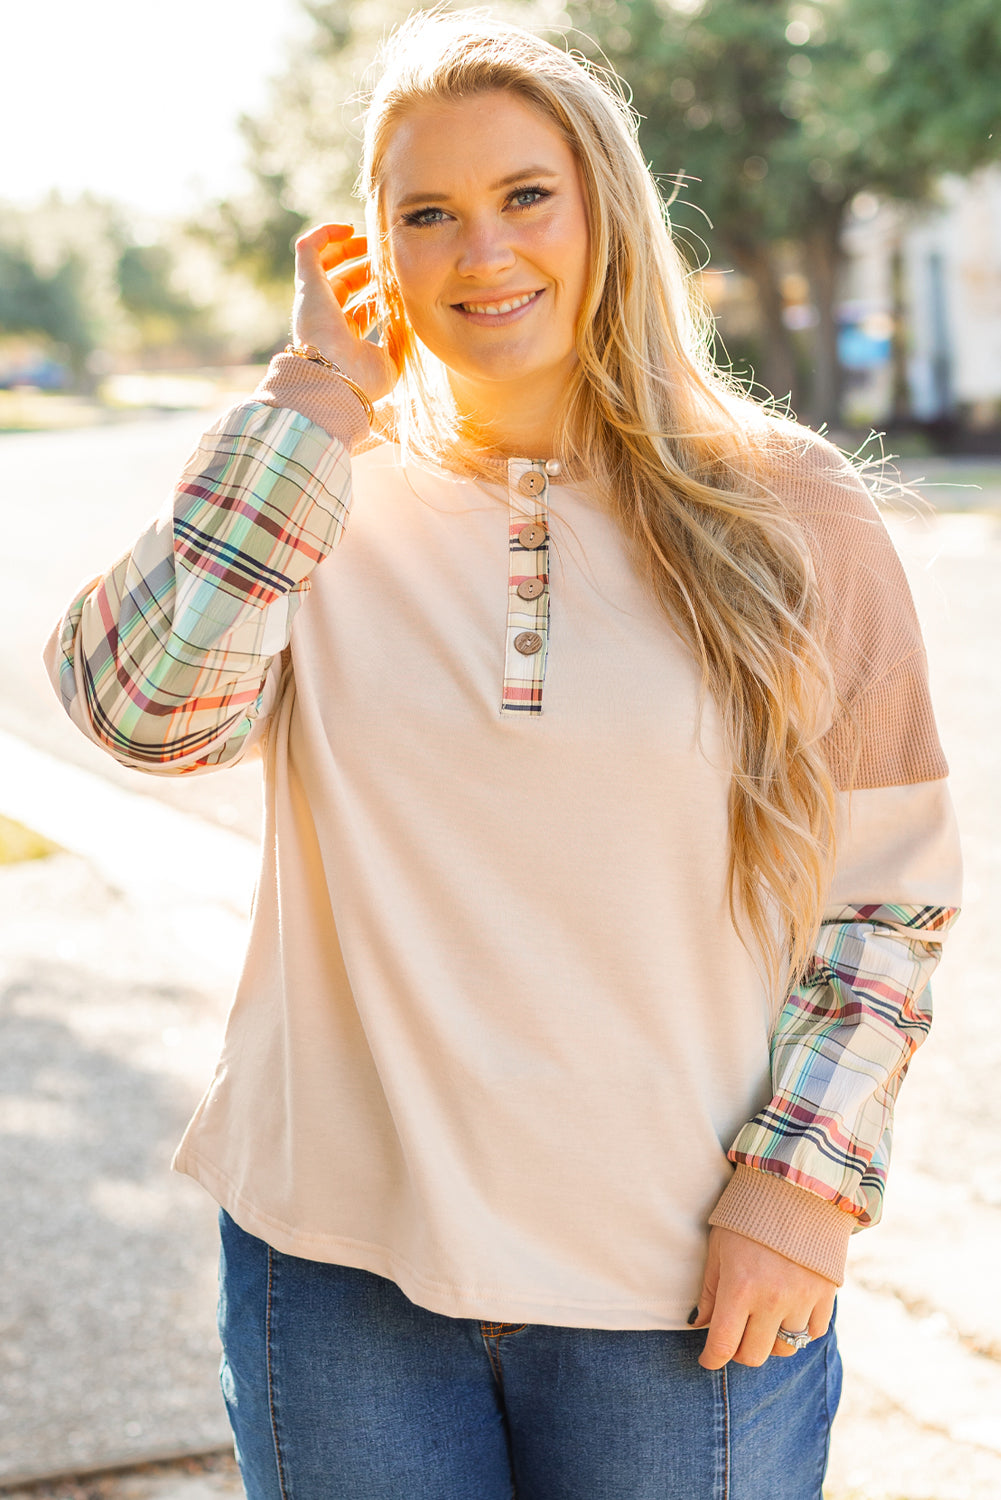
778 374
823 258
900 408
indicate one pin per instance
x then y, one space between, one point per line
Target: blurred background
834 171
833 168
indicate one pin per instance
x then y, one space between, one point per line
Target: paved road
920 1317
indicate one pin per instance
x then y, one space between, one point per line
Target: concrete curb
116 830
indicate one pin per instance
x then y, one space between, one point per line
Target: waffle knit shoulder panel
883 730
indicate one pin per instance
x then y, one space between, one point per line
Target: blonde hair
682 456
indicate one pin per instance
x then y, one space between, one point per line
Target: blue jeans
340 1388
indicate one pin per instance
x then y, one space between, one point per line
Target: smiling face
488 239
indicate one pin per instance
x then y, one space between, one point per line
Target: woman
578 992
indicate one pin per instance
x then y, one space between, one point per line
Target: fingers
317 239
339 265
351 279
334 306
705 1308
330 252
748 1294
752 1340
343 252
723 1341
330 244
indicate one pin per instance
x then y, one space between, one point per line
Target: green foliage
303 152
771 115
927 85
57 282
161 315
52 304
144 284
76 281
255 236
780 109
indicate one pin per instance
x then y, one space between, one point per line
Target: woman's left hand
748 1293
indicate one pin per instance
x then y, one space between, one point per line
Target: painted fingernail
692 1316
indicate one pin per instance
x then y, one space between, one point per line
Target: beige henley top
495 1033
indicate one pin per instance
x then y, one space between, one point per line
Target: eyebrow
495 187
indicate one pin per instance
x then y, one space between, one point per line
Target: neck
519 420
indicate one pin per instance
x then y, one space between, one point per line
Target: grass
38 411
18 843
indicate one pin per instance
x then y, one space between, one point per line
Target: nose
485 250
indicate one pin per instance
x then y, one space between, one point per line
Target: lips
498 309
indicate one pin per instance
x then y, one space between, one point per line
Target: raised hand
331 264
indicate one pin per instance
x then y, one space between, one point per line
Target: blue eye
533 195
421 216
521 198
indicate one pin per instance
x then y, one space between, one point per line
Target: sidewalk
114 992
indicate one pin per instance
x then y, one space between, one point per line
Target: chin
510 365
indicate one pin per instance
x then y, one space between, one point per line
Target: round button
532 482
531 536
529 642
530 588
553 467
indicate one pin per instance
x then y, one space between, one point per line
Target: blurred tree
254 235
161 315
52 304
929 79
783 111
84 278
303 152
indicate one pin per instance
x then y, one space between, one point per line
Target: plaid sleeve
164 659
841 1047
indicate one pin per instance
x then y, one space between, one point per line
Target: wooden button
530 588
529 642
532 482
531 536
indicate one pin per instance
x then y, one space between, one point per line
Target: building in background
920 332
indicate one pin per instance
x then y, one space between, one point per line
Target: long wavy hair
682 456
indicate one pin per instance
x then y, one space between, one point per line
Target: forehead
439 147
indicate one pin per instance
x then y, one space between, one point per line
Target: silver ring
795 1339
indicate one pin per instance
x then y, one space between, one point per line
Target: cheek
565 245
414 267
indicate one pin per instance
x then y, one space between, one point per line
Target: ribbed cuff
807 1229
302 385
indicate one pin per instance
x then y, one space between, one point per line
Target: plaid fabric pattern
524 674
841 1048
172 646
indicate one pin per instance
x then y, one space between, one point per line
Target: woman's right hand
331 264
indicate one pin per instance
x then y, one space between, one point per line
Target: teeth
493 309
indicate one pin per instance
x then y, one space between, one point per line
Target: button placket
528 589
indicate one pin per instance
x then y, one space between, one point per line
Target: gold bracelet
310 352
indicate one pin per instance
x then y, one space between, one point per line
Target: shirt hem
449 1299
